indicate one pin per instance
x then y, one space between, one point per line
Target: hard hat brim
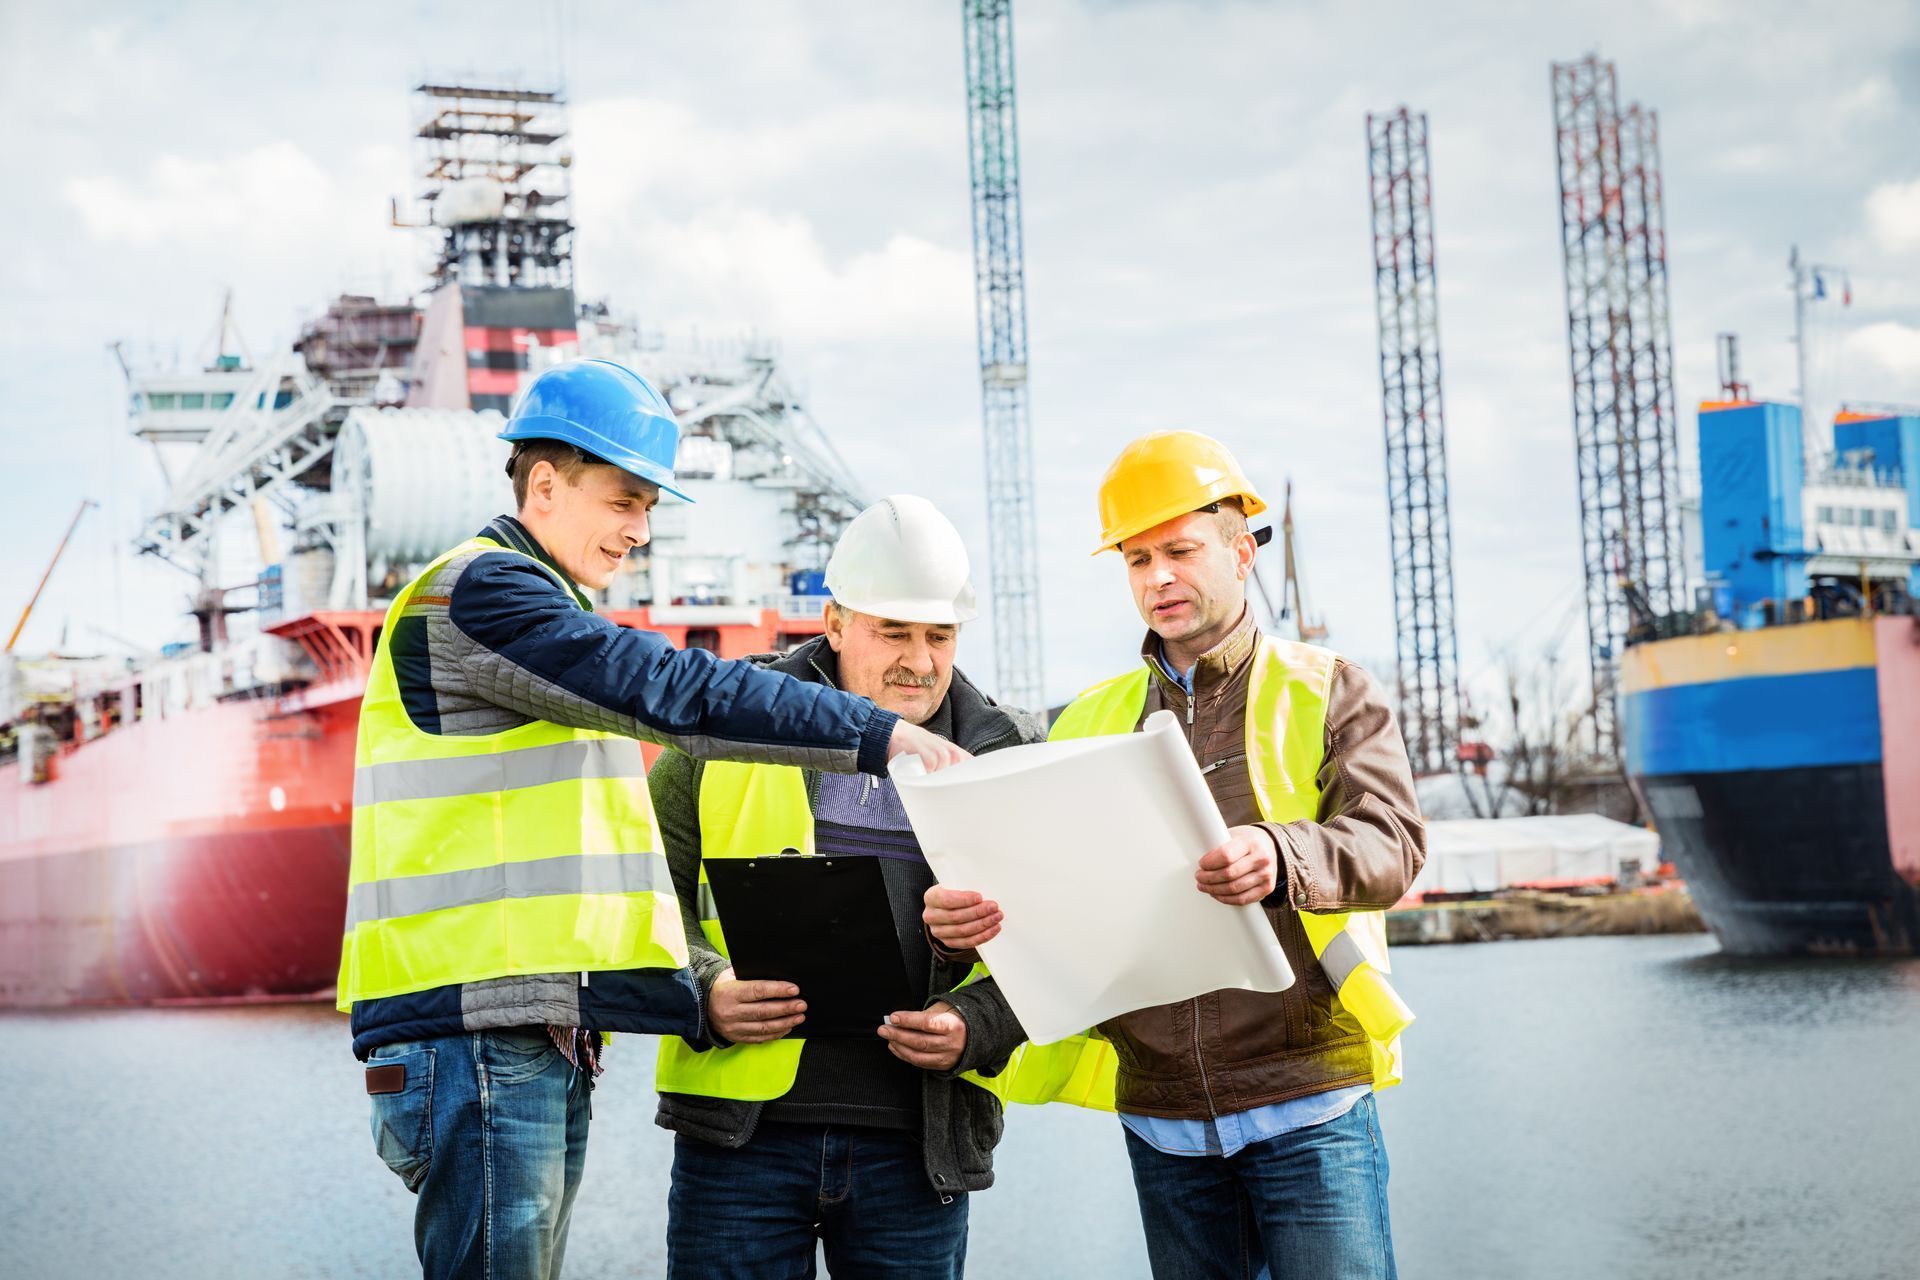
939 613
547 428
1251 505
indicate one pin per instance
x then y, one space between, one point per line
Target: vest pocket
402 1122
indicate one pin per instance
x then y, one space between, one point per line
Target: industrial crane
1000 294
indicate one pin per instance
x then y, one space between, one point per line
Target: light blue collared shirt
1224 1135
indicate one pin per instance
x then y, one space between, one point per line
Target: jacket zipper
1199 1052
1200 1059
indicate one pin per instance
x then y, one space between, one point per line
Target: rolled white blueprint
1089 846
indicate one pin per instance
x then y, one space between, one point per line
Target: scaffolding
1406 304
993 154
495 179
1620 347
357 340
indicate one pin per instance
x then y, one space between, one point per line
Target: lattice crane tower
1406 303
993 153
1614 240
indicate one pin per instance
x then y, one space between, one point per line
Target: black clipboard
821 923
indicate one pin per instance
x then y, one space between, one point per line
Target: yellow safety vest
533 850
754 810
1286 735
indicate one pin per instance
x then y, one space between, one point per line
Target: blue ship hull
1759 755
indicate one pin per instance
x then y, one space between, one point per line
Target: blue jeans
491 1134
755 1212
1311 1205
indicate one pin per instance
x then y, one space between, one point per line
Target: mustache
901 676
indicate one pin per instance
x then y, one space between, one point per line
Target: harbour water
1596 1107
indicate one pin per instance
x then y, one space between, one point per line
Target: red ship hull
203 855
196 856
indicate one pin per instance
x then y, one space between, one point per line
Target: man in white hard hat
866 1145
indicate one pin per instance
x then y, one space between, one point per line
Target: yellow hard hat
1164 475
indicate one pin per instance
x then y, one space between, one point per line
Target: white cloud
274 196
657 149
1893 216
193 199
1890 354
732 264
1871 99
1751 158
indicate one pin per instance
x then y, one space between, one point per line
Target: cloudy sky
1198 244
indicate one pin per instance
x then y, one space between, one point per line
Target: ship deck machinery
176 825
177 828
1778 745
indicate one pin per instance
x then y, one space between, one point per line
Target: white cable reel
902 559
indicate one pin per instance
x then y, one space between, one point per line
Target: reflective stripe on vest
502 771
529 851
1286 735
749 811
542 877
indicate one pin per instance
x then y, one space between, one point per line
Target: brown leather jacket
1234 1050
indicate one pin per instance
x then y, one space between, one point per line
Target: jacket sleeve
993 1032
1368 841
674 783
528 646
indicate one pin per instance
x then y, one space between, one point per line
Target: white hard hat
902 559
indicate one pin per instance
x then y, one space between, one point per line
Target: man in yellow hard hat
1249 1116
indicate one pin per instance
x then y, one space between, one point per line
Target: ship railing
1854 476
340 644
1826 602
804 607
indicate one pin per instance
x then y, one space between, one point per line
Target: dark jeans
1311 1204
755 1212
491 1133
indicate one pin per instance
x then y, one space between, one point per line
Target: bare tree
1536 738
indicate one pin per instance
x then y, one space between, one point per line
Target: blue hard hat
607 410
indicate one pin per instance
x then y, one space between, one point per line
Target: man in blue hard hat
509 901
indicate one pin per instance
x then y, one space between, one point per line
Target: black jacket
961 1123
